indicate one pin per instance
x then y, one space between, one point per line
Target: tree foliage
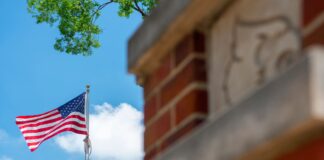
75 20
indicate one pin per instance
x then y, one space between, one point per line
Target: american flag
68 117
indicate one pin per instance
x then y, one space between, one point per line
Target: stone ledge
252 126
161 31
153 27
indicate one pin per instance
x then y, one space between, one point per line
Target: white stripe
75 113
32 147
51 124
33 118
45 132
42 126
41 120
53 133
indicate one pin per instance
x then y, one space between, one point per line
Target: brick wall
175 95
175 91
313 22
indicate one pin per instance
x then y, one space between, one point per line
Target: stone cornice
167 24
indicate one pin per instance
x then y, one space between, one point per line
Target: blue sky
35 78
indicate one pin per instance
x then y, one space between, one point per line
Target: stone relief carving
258 50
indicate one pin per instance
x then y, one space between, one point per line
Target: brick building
232 79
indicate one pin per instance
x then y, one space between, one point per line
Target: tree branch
104 5
138 8
135 7
101 7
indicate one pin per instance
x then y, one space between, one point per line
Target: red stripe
57 128
75 116
63 130
71 116
42 129
35 120
68 117
37 115
50 121
40 123
47 128
32 144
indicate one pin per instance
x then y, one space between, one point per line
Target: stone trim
164 28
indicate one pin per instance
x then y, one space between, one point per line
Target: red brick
180 133
150 155
193 102
150 108
316 37
311 9
313 150
157 129
192 43
158 75
195 71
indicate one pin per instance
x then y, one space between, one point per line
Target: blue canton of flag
75 105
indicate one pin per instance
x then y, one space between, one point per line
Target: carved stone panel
253 42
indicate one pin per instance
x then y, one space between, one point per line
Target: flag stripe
49 126
38 119
48 130
34 147
46 121
41 123
41 126
38 138
55 133
27 118
75 115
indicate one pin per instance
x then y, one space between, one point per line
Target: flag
68 117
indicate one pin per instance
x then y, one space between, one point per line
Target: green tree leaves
75 20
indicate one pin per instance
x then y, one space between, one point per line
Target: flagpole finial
88 88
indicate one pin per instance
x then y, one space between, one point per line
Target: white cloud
5 158
116 133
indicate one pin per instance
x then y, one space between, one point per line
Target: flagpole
87 138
